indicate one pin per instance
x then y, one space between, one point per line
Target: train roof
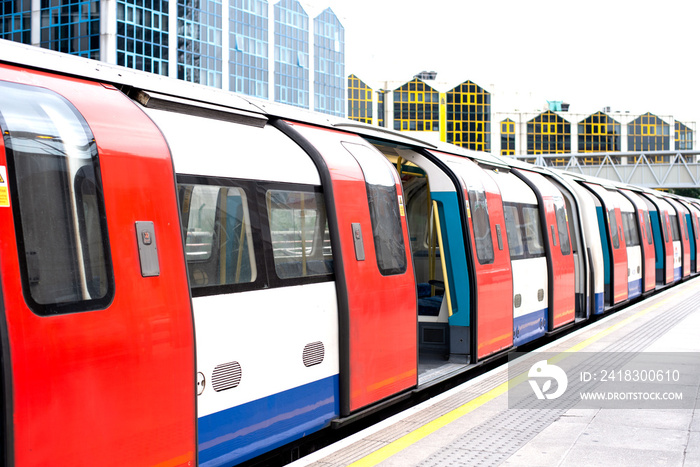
166 93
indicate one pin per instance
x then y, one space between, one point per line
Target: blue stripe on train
246 431
529 327
604 244
599 303
634 288
677 274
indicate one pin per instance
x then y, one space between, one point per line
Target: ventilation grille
313 353
540 295
434 335
518 300
226 376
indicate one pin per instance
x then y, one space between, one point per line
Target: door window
58 203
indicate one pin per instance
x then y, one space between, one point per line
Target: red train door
492 268
95 300
696 232
616 241
646 240
665 237
560 260
682 226
378 308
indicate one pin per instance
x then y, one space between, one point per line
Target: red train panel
380 354
124 371
616 241
646 241
681 212
559 252
694 209
667 240
494 280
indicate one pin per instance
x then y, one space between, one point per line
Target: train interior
439 355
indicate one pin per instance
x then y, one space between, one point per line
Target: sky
634 56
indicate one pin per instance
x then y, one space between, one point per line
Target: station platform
481 423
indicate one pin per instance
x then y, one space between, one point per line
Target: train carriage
188 276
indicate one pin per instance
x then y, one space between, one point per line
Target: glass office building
254 47
16 21
291 54
329 70
249 38
142 35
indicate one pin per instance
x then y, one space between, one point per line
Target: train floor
643 363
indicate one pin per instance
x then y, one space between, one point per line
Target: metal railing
651 169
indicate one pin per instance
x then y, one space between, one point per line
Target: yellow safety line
413 437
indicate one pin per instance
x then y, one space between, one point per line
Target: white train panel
530 290
202 146
265 332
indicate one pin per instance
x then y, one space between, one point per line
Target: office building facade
253 47
463 114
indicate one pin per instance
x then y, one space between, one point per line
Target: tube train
189 276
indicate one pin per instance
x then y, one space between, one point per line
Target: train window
664 227
675 234
218 237
57 194
523 229
533 233
562 228
481 223
684 226
650 239
612 221
514 231
299 234
383 209
629 225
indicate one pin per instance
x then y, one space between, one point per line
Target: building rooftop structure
507 123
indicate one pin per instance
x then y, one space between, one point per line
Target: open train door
560 260
374 271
